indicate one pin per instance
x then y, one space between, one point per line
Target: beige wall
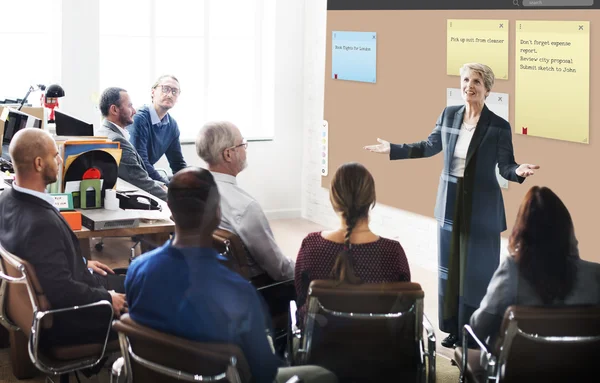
410 94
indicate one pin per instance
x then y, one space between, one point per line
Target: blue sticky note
354 56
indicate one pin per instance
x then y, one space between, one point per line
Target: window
222 52
30 35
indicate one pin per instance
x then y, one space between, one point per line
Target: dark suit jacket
35 231
131 166
491 144
482 202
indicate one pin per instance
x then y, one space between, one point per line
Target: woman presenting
469 206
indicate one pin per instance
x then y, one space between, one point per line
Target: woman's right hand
382 148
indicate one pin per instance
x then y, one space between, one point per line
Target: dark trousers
86 325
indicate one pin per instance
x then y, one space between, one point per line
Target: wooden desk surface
147 226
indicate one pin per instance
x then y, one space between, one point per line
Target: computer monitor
67 125
16 121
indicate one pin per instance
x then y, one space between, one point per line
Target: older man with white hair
221 145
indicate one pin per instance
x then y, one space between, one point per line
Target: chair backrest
167 352
23 295
231 247
365 331
548 343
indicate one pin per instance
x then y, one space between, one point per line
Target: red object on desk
73 218
92 174
524 130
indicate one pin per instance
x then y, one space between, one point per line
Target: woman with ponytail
352 253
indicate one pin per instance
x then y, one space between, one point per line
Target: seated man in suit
182 288
117 110
32 228
221 146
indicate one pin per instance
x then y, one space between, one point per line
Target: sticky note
482 41
354 56
552 79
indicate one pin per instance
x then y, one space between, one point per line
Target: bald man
182 288
32 228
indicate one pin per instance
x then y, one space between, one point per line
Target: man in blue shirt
155 132
182 288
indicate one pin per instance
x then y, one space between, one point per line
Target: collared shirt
154 119
153 137
122 130
465 136
44 196
187 292
242 215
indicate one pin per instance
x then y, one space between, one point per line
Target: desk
157 232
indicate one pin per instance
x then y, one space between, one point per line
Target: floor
289 234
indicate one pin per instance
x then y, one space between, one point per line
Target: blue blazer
491 144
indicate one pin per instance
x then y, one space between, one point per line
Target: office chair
365 332
27 314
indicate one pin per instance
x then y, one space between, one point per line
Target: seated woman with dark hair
543 268
351 253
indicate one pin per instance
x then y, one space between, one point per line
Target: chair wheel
99 246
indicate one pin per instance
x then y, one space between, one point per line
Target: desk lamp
31 89
50 99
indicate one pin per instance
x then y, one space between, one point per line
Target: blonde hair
483 70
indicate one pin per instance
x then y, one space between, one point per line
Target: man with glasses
117 110
154 131
221 145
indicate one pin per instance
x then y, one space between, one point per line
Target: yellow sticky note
552 79
482 41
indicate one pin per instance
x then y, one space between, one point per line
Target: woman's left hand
526 170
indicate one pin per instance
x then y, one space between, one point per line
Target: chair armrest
490 359
38 316
430 354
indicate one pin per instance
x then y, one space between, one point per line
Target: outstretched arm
509 169
427 148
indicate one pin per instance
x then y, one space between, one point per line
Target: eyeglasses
244 144
167 89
